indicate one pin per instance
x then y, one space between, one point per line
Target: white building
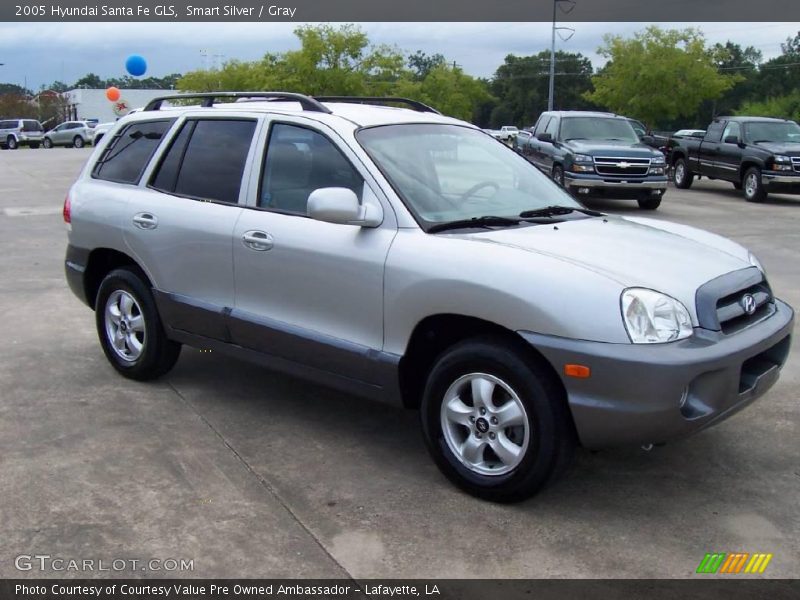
83 104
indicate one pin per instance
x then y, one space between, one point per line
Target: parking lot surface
249 473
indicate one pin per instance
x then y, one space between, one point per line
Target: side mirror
341 206
732 139
545 137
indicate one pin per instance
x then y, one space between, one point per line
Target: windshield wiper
552 211
485 221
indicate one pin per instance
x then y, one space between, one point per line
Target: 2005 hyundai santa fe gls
403 255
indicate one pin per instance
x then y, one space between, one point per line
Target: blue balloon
136 65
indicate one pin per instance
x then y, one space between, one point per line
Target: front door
308 291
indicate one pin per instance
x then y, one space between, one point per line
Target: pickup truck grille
734 301
621 167
796 163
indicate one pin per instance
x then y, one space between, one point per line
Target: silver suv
73 134
20 132
409 257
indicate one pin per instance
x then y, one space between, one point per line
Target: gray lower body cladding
640 394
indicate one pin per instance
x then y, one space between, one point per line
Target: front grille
722 302
796 163
618 166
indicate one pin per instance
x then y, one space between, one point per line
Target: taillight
67 212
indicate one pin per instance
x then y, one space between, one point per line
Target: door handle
145 221
257 240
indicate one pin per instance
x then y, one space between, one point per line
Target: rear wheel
495 421
11 143
78 142
753 187
129 327
682 177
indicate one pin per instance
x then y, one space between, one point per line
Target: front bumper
642 393
594 185
781 182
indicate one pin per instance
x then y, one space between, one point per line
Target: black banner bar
403 10
731 588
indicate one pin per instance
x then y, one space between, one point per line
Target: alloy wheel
124 323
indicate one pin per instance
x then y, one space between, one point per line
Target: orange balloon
112 94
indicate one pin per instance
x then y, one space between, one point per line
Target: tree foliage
659 75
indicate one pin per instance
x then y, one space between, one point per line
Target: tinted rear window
126 156
31 126
210 166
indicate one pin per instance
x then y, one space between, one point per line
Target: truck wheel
130 330
496 422
558 175
649 203
11 143
682 177
753 187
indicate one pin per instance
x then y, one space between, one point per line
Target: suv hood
608 148
635 252
784 148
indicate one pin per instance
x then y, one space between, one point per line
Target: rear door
310 292
180 220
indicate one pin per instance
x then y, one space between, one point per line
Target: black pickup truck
594 154
756 154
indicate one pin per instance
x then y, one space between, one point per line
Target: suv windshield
788 131
597 128
450 173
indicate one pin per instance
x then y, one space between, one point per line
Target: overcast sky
39 53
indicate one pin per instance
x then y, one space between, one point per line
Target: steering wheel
477 187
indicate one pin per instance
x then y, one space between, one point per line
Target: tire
682 177
78 142
535 450
125 310
47 143
558 175
752 186
649 203
11 143
34 145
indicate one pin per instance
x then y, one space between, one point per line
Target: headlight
653 318
582 158
782 159
782 163
755 262
658 160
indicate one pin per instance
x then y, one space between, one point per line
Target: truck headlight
658 160
654 318
782 163
582 158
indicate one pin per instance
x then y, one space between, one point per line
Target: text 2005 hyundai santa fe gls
403 255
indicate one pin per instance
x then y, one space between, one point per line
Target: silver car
408 257
73 134
20 132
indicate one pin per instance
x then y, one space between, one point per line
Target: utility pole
566 11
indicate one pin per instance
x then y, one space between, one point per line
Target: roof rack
418 106
209 98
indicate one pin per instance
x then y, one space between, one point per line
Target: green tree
659 75
521 86
449 90
422 64
781 107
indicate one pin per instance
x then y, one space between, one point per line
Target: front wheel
48 143
558 175
682 177
495 421
649 203
78 142
753 186
129 327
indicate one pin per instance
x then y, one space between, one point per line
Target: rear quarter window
127 154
